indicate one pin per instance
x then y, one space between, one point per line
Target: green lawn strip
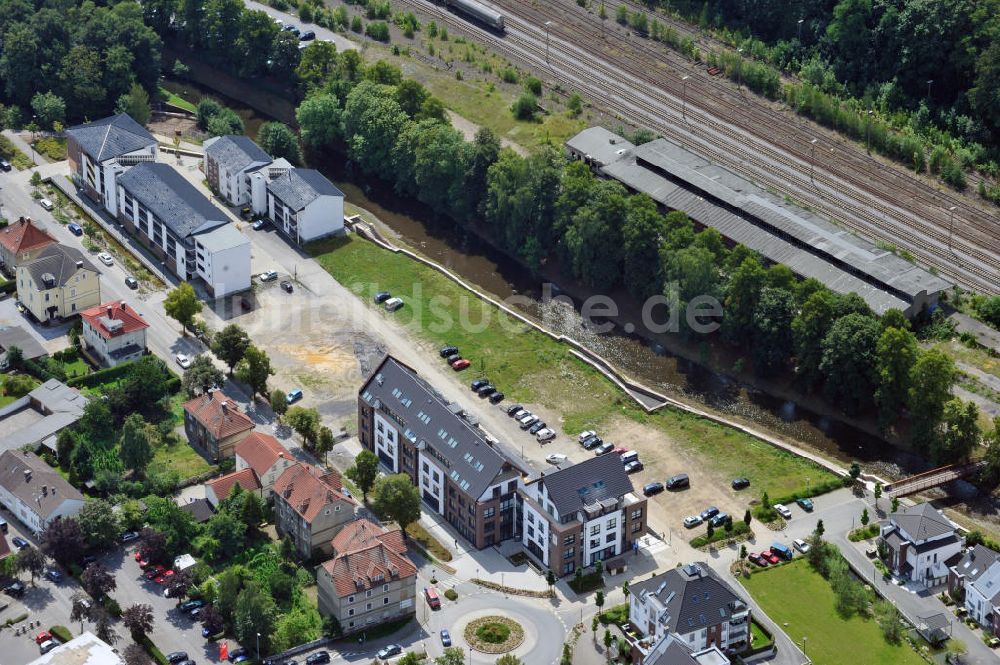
616 615
13 154
429 543
531 367
175 100
179 457
802 603
740 531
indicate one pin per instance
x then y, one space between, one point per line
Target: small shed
183 562
935 627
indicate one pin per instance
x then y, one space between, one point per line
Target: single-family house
58 283
266 457
305 205
35 419
369 580
214 424
920 544
218 489
114 333
229 161
692 603
311 507
33 492
98 152
976 580
20 242
184 229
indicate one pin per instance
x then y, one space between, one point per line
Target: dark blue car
75 229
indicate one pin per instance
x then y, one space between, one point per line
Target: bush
378 30
508 75
102 376
451 594
525 106
61 633
533 85
739 529
616 615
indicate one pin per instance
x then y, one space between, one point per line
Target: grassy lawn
801 601
531 367
179 102
76 368
420 535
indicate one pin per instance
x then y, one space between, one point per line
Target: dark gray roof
592 481
297 188
694 597
200 510
975 561
171 198
670 651
11 336
599 145
59 261
424 416
111 137
237 152
921 522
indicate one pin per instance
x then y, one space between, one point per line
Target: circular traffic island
494 634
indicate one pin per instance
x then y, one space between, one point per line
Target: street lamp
812 161
929 82
868 132
739 71
258 646
548 24
799 36
951 226
684 80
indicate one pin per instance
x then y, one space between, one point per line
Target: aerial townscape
497 332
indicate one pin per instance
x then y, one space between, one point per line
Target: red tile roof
374 556
223 485
260 451
218 414
308 489
100 316
24 235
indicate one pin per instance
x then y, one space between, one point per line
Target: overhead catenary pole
684 80
548 24
951 227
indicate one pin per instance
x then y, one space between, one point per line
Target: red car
165 577
155 572
43 636
758 559
619 451
771 557
460 364
138 555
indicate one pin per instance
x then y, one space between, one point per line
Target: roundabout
494 634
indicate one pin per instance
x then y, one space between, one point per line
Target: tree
960 422
325 441
154 545
849 361
809 328
182 304
279 140
525 106
138 441
31 560
254 370
747 517
102 625
212 620
451 656
709 530
135 103
820 529
864 517
230 345
364 472
772 329
227 535
931 382
135 654
255 613
594 623
641 229
63 540
279 403
201 376
316 66
49 108
98 524
608 641
372 121
743 551
138 618
897 352
625 588
224 123
65 443
178 584
599 600
397 499
177 526
508 659
230 584
895 504
990 473
319 119
305 422
97 581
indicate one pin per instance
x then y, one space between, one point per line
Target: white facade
601 533
26 513
386 442
101 177
223 260
431 478
106 347
322 217
535 528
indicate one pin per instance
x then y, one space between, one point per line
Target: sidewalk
22 145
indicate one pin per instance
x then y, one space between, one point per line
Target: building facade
305 205
58 283
369 580
975 579
921 544
268 459
229 161
21 242
311 507
33 492
214 424
114 333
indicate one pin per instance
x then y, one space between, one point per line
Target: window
350 599
569 540
368 607
385 601
596 529
378 426
637 527
530 517
613 523
637 514
610 538
385 588
368 594
569 568
569 553
489 512
595 543
350 612
531 531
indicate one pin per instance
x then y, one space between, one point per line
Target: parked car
43 636
629 456
286 286
496 397
318 658
259 224
709 513
478 383
537 427
635 466
545 434
652 488
381 297
801 545
757 559
604 449
782 510
132 283
106 259
307 36
453 358
460 364
20 307
48 646
155 572
513 408
4 165
387 652
741 483
770 557
268 276
528 421
448 351
45 203
187 662
183 360
129 536
191 605
15 589
445 637
556 458
519 413
393 304
680 481
177 657
19 542
720 519
805 504
486 391
781 550
237 653
586 435
75 229
54 575
592 443
691 521
294 395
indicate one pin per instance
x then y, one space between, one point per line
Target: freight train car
478 12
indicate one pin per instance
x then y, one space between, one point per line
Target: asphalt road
343 43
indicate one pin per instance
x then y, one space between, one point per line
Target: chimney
27 475
79 264
225 408
110 309
45 490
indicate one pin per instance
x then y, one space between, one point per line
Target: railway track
714 130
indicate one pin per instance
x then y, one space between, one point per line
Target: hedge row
9 286
61 633
101 376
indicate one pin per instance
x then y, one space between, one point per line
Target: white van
630 456
392 304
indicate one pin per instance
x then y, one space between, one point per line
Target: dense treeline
543 208
67 60
927 68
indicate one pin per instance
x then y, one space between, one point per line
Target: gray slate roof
694 597
40 414
921 522
111 137
594 480
59 261
17 336
28 488
297 188
171 198
200 510
236 153
600 145
975 562
473 464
